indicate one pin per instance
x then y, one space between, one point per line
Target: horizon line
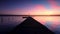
29 15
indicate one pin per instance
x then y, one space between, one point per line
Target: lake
51 22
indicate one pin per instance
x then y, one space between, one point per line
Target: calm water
52 22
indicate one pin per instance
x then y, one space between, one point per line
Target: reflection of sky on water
53 23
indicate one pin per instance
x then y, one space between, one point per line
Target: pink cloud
53 4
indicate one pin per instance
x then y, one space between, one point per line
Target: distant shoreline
29 15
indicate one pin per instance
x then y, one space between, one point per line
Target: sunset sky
30 7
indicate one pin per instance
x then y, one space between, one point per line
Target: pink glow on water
53 21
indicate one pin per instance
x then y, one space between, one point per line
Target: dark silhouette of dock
30 26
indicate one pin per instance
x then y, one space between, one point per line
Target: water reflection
52 22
